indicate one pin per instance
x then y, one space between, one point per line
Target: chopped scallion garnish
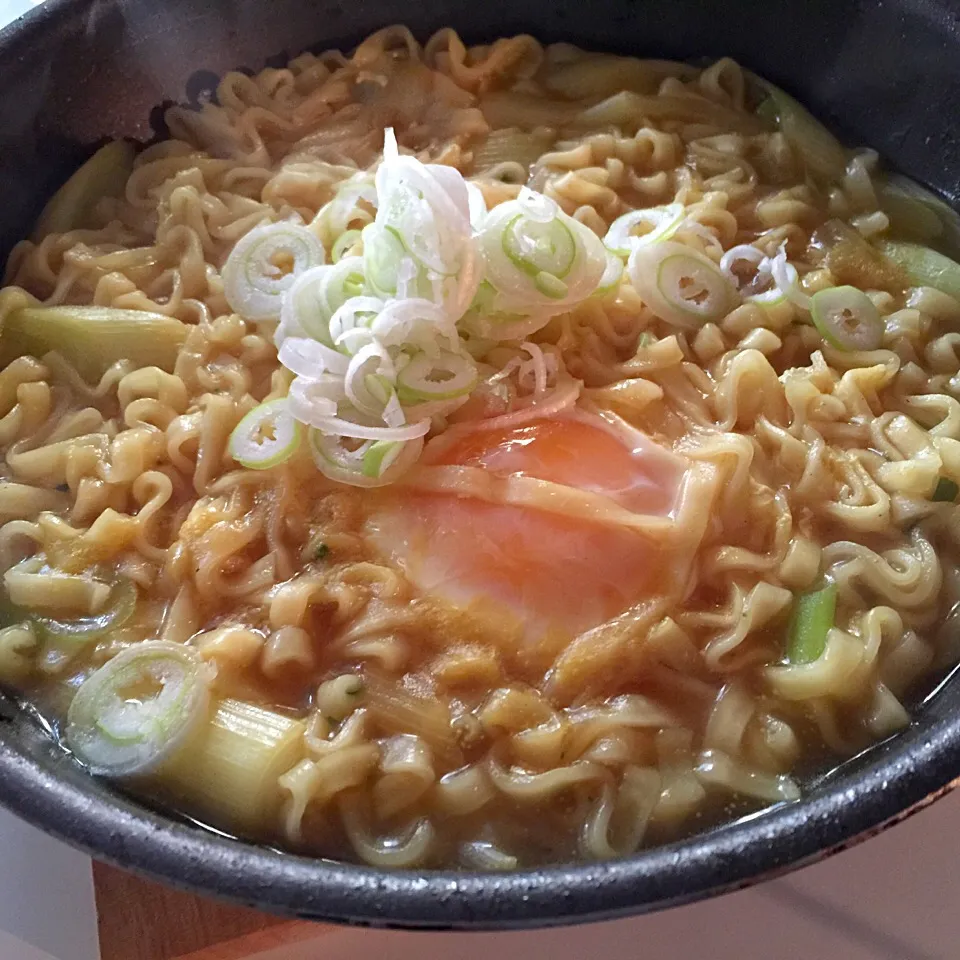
813 617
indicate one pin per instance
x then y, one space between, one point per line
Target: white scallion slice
267 436
539 258
541 249
264 265
351 206
138 708
612 275
350 325
743 253
373 463
317 294
118 609
443 377
383 251
368 383
641 227
847 318
681 285
343 243
787 279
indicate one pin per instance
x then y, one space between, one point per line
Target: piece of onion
847 318
343 243
423 215
346 210
612 275
315 297
263 266
138 708
373 463
444 377
266 437
787 279
538 257
350 325
120 606
820 150
681 285
661 223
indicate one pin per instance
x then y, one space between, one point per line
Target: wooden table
140 920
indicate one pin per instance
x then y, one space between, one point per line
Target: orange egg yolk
552 571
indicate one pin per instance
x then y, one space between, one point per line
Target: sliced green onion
373 463
379 457
544 251
662 224
847 318
820 150
813 617
138 708
444 377
317 294
267 436
680 285
946 491
538 258
383 251
925 267
263 266
343 243
120 605
322 551
103 175
612 275
344 211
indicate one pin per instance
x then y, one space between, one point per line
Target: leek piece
229 770
104 175
918 214
946 491
926 267
909 215
817 146
813 616
93 338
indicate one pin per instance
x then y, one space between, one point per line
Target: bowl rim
911 770
901 776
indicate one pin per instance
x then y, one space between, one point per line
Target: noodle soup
479 457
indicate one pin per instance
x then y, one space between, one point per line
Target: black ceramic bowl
75 71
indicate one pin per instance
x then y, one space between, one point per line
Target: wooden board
140 920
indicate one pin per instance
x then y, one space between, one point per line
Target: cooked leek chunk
103 175
93 338
230 769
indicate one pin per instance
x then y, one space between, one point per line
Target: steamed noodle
402 722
